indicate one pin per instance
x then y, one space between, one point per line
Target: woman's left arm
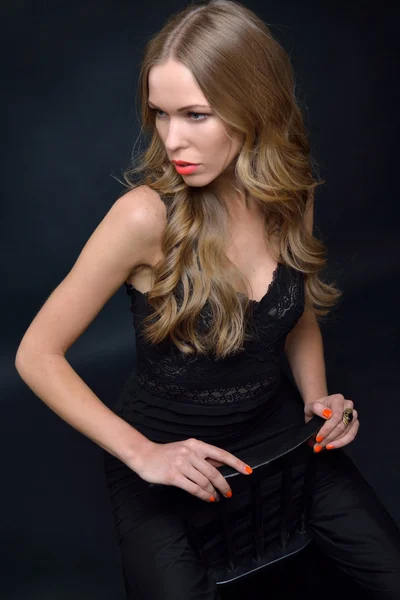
305 354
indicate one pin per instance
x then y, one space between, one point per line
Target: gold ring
347 416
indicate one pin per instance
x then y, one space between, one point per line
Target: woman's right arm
128 236
125 238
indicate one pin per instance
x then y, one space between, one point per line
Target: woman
223 272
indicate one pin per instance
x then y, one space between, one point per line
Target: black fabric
236 404
348 524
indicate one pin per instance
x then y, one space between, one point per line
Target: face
196 135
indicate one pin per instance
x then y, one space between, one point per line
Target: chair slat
257 517
286 497
226 531
307 492
243 529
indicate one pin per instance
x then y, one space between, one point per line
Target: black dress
235 403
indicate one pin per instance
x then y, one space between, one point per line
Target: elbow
28 359
21 360
23 354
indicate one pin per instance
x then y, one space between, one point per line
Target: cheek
216 146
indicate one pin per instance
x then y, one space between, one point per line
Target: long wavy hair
248 80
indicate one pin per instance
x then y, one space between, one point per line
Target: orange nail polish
317 448
212 499
319 438
327 413
249 469
330 447
229 494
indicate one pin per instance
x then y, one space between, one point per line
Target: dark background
70 72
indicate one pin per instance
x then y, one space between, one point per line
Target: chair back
265 520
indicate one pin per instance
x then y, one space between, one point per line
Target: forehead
173 82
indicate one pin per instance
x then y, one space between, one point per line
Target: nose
174 137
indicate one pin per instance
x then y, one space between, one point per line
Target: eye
158 116
199 115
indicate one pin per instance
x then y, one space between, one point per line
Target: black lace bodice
254 373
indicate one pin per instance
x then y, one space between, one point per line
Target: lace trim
131 290
224 395
165 372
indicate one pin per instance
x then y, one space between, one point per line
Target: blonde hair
247 78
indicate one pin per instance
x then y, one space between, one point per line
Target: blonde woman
213 240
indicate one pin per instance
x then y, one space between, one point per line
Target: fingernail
212 499
228 494
319 438
327 413
317 448
330 447
249 469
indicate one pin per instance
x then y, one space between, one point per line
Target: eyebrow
183 107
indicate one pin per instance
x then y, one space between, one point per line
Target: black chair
236 540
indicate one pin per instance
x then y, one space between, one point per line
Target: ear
309 212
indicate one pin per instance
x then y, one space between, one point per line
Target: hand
190 465
334 433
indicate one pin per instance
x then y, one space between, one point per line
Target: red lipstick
184 168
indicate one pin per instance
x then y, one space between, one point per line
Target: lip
187 169
183 163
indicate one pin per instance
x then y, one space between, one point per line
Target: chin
197 181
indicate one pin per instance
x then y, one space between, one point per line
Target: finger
194 474
337 431
214 463
345 439
179 480
328 406
321 410
349 433
337 407
341 429
226 458
213 476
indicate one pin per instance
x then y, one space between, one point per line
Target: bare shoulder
145 214
143 204
127 237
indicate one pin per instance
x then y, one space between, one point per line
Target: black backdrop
70 72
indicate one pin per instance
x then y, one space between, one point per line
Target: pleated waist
163 420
